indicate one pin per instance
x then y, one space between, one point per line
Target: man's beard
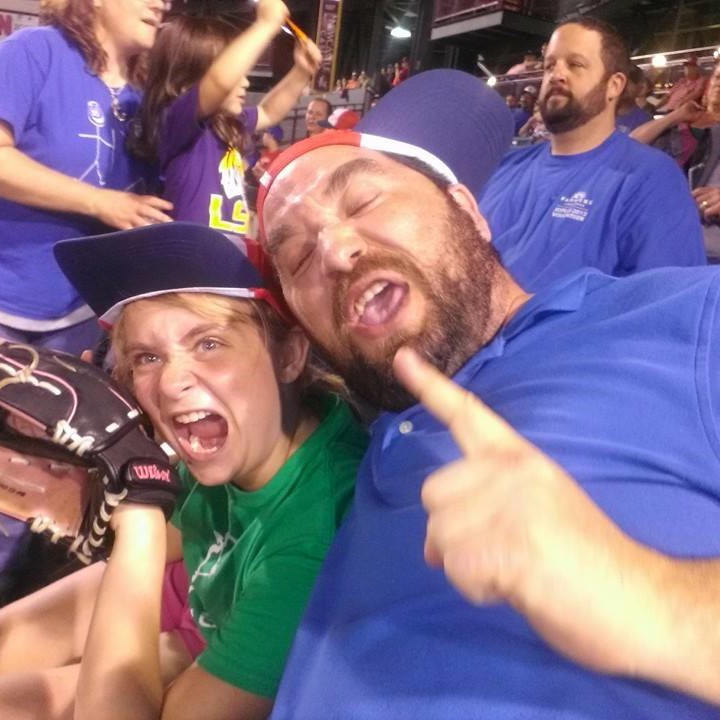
574 113
457 313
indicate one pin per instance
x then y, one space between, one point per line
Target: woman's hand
708 201
125 210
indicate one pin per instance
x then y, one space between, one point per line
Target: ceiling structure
500 38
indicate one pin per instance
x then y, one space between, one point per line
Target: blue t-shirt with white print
60 115
620 207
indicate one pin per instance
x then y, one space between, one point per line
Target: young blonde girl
268 466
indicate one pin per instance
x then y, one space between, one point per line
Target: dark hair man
317 109
574 587
591 196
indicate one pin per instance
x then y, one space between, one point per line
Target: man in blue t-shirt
566 568
591 197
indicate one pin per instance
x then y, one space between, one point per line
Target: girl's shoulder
339 426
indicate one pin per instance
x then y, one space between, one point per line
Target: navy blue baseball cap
111 270
449 119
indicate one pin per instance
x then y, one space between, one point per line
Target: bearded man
559 562
589 197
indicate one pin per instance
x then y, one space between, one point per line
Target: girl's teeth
195 443
192 417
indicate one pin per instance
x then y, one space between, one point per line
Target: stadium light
400 33
658 61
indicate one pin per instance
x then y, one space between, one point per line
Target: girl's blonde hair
315 378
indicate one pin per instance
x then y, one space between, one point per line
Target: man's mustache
557 90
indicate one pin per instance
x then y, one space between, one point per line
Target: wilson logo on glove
140 471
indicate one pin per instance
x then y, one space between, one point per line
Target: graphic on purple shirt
204 179
60 115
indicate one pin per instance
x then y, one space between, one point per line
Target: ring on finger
704 204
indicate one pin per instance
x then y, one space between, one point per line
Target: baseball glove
73 445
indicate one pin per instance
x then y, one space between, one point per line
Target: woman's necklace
117 110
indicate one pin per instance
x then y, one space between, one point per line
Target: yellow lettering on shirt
239 221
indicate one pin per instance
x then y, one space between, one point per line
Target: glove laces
68 436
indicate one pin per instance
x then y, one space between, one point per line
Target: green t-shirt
252 557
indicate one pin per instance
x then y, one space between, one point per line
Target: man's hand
307 57
272 12
124 210
708 201
506 523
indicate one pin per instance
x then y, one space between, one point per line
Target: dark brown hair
184 50
328 104
614 51
76 19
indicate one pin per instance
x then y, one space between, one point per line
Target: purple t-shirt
60 115
204 179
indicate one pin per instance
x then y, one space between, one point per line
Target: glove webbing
84 547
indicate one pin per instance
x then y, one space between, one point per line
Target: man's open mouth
201 433
376 303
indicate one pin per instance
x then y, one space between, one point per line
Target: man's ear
291 356
465 200
616 83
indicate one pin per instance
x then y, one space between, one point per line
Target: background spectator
69 93
688 87
524 110
402 71
591 196
630 114
700 125
535 128
193 117
271 139
382 82
705 175
530 63
317 109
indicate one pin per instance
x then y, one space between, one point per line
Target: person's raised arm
650 131
505 523
239 57
120 671
28 182
281 99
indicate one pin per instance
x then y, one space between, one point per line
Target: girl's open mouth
201 433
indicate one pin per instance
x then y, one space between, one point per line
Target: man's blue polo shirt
619 381
621 207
